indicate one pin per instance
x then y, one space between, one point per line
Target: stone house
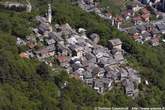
115 43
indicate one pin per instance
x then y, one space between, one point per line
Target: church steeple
28 7
49 13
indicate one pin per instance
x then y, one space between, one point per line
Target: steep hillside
31 85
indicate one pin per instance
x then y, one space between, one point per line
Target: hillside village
81 56
142 22
56 56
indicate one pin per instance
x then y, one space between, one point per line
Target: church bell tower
49 13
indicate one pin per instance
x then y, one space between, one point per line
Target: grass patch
114 6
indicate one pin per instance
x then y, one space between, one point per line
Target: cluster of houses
81 56
137 14
157 4
149 32
16 6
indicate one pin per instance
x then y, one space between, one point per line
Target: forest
31 85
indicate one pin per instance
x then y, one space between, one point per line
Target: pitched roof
42 51
141 28
24 55
160 26
115 42
43 27
51 47
132 31
94 36
61 59
137 18
50 41
145 11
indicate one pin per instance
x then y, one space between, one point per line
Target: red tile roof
119 18
145 11
61 59
137 18
24 55
145 16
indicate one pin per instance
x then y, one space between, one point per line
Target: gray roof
98 83
94 37
73 47
104 61
43 27
141 28
161 26
101 70
50 41
119 58
113 73
56 36
115 42
41 19
13 4
146 35
133 74
129 87
87 75
116 51
51 47
42 51
91 66
155 31
99 48
88 81
132 31
102 83
106 80
87 49
149 25
131 71
108 75
74 60
30 53
78 72
84 62
95 71
76 66
123 73
81 43
61 48
66 29
89 56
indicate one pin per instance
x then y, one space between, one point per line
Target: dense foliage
31 85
